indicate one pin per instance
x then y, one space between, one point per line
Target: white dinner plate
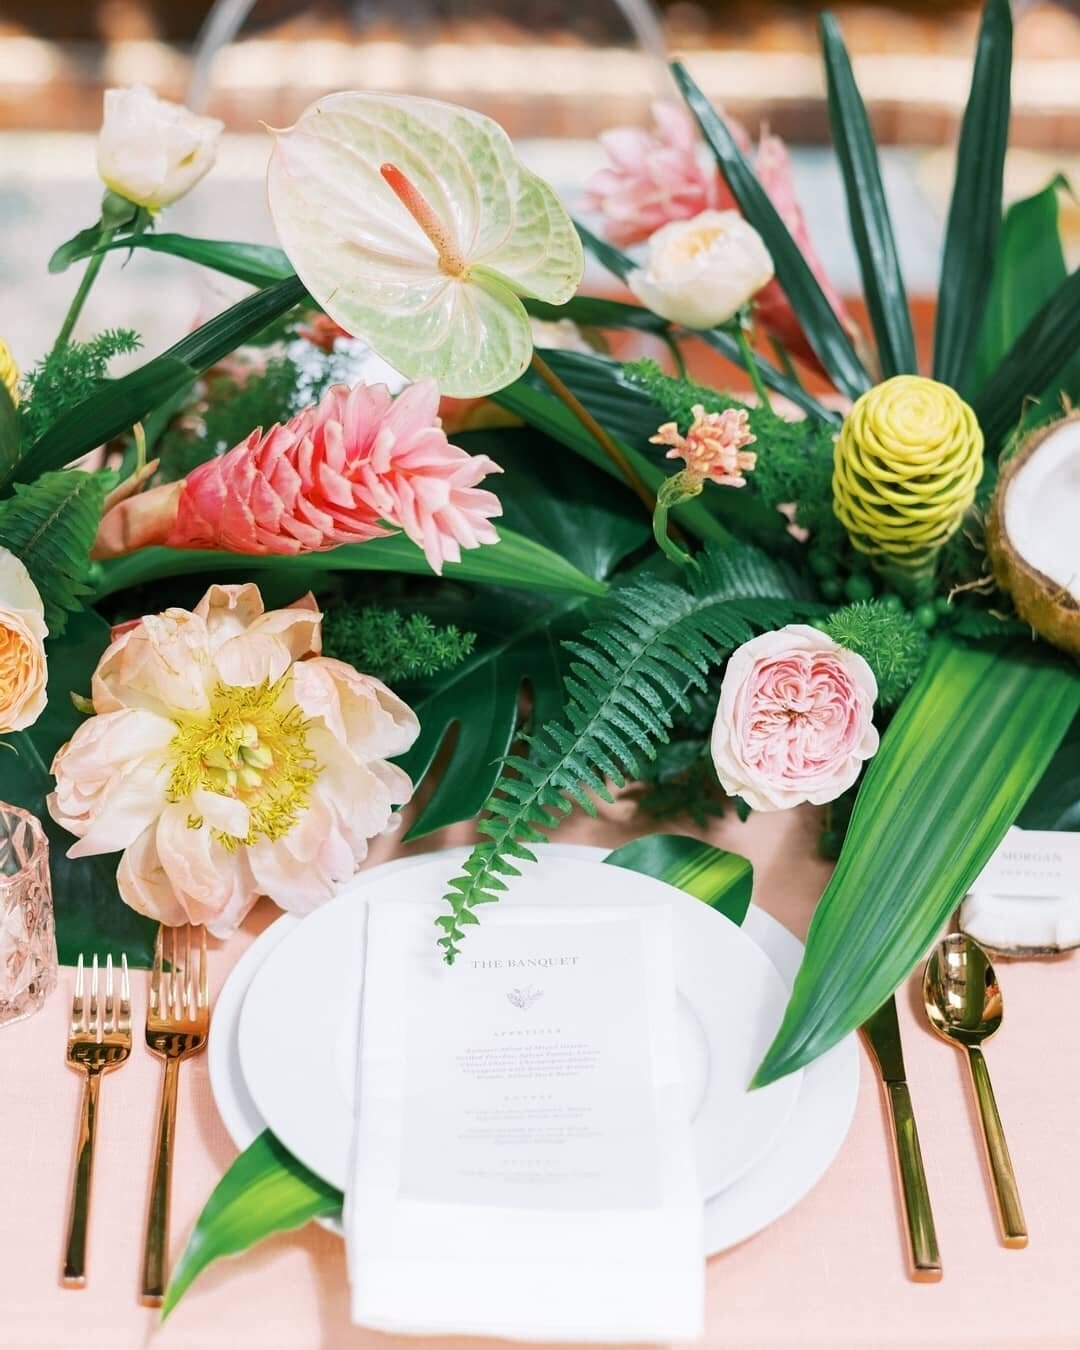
818 1125
302 1070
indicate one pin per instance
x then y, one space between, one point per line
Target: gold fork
177 1025
96 1045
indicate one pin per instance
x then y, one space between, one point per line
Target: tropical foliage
572 656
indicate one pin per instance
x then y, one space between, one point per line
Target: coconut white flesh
1042 508
1022 925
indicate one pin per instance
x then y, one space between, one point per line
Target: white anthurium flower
701 272
415 226
151 151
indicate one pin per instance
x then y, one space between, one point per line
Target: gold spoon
963 1003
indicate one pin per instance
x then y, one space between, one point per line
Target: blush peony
229 760
794 720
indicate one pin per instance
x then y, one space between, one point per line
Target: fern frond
652 643
50 525
392 645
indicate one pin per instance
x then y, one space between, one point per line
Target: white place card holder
523 1163
1026 900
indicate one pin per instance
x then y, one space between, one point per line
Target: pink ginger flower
339 472
713 446
656 177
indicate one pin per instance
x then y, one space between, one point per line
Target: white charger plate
301 1071
814 1134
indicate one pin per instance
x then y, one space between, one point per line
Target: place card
523 1163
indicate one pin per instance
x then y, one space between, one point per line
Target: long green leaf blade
257 264
823 329
121 403
616 314
724 881
868 211
969 743
513 561
1028 269
266 1190
1046 345
971 233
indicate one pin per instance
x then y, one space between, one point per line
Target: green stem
93 267
677 356
750 362
667 544
593 427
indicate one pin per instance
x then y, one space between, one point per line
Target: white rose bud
151 151
701 272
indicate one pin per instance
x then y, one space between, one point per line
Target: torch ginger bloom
229 760
338 472
713 447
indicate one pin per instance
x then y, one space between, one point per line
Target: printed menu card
522 1163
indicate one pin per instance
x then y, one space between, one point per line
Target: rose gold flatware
882 1032
177 1025
99 1040
963 1003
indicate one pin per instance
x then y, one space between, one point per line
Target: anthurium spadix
416 227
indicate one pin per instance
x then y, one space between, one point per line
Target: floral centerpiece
738 603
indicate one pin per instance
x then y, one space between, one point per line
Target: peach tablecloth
831 1274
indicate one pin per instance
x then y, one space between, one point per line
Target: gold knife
882 1032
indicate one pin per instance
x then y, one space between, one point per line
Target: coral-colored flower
338 472
654 177
713 446
229 760
794 720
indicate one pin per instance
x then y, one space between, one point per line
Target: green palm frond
50 525
651 643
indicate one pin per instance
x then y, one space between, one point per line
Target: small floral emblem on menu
525 998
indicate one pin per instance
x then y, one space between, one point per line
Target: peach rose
22 646
794 720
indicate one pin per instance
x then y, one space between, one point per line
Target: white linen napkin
522 1163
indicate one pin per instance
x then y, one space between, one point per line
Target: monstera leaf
416 227
571 508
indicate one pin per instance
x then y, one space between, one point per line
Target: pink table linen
831 1274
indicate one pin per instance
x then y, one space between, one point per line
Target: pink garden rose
229 760
339 472
794 723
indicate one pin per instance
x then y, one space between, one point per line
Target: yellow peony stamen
251 748
9 371
908 461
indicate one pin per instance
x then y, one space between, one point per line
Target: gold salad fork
177 1025
99 1040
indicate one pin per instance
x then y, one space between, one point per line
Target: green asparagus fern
391 645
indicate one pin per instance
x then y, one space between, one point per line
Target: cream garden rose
701 272
228 759
151 151
22 646
794 720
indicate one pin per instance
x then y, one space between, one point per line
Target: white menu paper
523 1163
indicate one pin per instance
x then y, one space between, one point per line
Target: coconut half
1033 532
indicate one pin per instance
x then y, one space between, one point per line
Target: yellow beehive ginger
9 371
908 460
